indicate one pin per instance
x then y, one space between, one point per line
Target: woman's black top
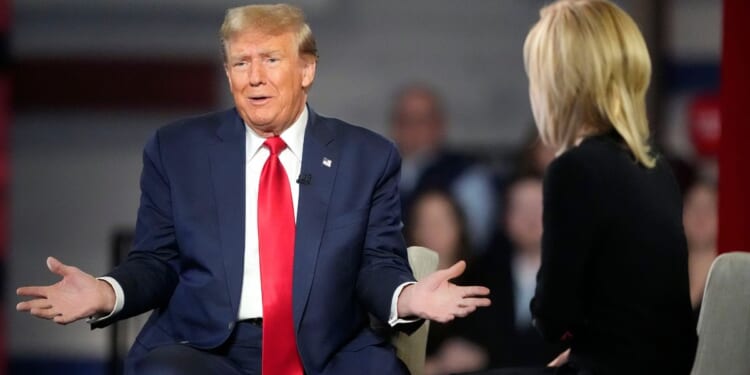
614 276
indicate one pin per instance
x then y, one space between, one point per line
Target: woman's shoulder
576 160
596 154
596 163
571 172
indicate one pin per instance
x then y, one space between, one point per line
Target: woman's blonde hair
270 19
588 69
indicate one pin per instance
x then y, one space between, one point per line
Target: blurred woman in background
436 222
613 282
700 218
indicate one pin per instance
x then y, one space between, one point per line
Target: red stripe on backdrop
4 203
141 84
5 98
734 154
4 15
5 88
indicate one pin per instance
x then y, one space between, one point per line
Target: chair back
411 348
724 320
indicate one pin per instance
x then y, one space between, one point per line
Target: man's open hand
436 298
78 295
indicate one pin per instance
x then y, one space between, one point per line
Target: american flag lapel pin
327 162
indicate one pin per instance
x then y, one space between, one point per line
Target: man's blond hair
588 69
271 19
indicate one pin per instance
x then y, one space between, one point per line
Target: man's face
700 217
436 226
524 215
418 126
268 79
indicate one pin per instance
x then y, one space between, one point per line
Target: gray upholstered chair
411 348
724 323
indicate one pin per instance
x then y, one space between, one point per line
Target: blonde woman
613 282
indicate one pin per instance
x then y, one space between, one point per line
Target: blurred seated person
523 224
700 219
418 126
436 222
534 156
509 269
613 283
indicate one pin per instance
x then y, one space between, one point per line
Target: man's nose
257 74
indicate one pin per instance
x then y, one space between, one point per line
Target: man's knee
181 359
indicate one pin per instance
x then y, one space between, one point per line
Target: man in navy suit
263 226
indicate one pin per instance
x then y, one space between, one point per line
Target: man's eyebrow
271 52
264 53
240 56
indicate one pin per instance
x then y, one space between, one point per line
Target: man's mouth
260 99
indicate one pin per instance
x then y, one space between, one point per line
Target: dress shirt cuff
394 319
119 300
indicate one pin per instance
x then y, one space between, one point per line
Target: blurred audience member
418 125
534 157
524 228
700 219
509 269
436 222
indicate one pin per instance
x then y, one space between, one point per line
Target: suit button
230 325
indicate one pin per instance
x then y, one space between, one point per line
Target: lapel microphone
304 179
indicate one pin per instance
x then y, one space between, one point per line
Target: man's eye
239 64
273 59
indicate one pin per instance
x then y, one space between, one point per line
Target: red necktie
276 250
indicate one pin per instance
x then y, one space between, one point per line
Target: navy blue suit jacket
187 259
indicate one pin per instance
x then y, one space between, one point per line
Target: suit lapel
319 161
227 154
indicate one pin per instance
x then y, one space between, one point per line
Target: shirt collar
293 136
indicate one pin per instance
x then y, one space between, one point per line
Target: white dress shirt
251 301
524 272
251 305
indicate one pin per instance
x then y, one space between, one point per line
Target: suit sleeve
385 265
569 222
149 274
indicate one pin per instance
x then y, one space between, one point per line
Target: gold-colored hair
270 19
588 69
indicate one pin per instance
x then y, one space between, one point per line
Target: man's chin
262 125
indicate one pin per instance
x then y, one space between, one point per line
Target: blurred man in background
418 126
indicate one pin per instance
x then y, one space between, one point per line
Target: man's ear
308 71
